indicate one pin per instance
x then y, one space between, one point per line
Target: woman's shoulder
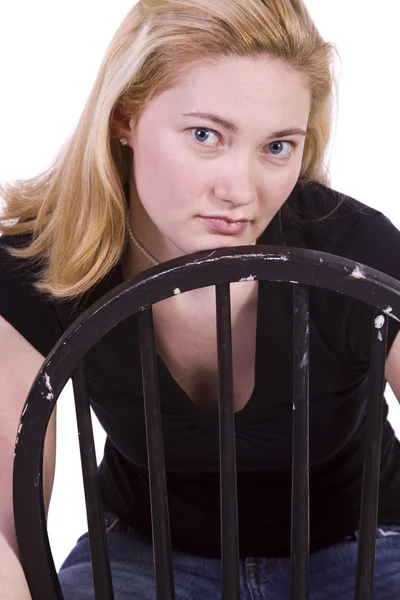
28 311
315 201
8 242
15 269
26 271
39 317
328 220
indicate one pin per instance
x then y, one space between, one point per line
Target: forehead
256 88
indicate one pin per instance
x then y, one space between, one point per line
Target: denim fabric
332 570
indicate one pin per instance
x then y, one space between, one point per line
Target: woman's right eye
202 134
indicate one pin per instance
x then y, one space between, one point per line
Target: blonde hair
76 209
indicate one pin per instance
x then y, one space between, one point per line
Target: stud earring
124 141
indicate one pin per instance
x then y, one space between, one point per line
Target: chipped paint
24 411
389 312
17 437
304 362
213 259
296 282
50 395
380 338
282 257
379 322
358 273
177 291
249 278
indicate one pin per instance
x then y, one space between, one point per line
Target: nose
238 187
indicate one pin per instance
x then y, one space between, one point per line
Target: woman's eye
276 149
202 134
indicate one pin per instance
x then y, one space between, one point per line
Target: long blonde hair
76 209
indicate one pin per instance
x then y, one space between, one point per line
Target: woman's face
204 183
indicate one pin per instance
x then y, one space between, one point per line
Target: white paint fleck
281 257
379 322
304 362
17 437
358 273
50 395
249 278
380 338
177 291
24 411
389 311
293 282
321 260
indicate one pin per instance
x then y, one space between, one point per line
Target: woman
207 127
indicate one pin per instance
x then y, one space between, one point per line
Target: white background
50 52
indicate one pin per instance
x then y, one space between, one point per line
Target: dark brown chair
302 268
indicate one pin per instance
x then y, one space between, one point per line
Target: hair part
76 209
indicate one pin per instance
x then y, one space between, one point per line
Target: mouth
228 219
226 225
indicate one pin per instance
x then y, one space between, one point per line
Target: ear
121 124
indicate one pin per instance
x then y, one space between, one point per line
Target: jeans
332 570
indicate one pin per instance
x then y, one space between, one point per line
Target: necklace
138 245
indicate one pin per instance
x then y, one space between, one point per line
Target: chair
302 268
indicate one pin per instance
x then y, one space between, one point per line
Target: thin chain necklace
138 245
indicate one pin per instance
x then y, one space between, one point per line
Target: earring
124 141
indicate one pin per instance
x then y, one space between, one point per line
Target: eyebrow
235 129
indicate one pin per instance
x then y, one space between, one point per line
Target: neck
138 243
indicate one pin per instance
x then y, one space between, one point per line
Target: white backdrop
50 52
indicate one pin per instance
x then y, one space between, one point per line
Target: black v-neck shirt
340 330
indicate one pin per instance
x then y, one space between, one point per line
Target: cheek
279 190
179 180
164 175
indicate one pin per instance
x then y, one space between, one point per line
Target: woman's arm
19 364
12 579
392 370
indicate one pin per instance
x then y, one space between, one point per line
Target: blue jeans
332 570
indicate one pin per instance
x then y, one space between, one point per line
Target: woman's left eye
275 147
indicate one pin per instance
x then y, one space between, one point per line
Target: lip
223 218
225 225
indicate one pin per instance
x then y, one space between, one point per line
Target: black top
340 330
